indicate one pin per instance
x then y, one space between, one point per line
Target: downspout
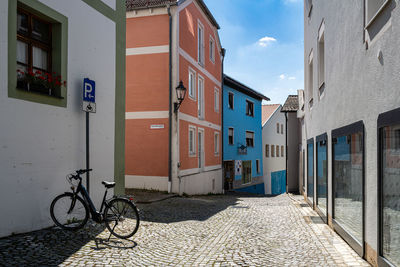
170 103
223 51
287 150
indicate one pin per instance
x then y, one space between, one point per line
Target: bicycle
69 211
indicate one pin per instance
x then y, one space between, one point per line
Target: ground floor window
322 173
246 175
348 179
310 170
389 184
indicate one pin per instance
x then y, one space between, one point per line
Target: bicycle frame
96 215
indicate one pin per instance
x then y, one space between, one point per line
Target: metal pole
87 151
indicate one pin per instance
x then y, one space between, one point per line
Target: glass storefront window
310 170
322 176
348 183
390 194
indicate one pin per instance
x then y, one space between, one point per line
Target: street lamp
180 94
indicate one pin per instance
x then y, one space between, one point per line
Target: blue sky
264 43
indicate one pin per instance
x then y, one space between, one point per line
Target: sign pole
87 152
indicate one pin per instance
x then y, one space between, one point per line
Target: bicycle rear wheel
69 212
121 218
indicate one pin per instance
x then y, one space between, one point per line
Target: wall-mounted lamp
180 94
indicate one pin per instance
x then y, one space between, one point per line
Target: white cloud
292 78
265 41
282 76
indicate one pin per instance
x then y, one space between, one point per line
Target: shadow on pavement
104 243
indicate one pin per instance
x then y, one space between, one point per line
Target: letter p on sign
89 90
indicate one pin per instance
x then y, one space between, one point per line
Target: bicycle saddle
108 184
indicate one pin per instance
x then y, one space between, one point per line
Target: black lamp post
180 94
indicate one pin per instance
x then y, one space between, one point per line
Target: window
347 182
249 139
249 108
192 141
230 136
230 100
277 127
373 8
281 128
322 174
277 151
36 51
246 168
258 166
216 143
282 151
200 102
216 100
192 84
389 187
200 44
321 59
267 151
212 49
310 80
272 151
310 170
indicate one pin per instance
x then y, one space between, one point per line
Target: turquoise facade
237 119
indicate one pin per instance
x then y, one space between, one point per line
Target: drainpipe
170 103
286 148
223 51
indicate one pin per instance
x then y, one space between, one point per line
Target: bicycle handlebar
82 171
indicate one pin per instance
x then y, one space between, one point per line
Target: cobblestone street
208 231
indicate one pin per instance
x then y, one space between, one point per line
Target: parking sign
89 90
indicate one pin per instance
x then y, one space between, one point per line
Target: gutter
170 104
223 51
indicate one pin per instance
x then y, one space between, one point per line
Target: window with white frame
192 141
200 43
310 80
282 151
212 49
272 150
277 151
216 100
249 139
230 136
216 143
277 127
258 166
281 128
321 57
267 151
373 7
192 84
200 102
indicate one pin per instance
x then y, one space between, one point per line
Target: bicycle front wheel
121 218
69 212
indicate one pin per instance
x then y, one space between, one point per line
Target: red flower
38 72
65 83
57 83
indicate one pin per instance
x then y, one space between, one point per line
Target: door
229 174
246 176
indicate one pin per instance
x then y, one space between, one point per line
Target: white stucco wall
271 137
359 86
40 144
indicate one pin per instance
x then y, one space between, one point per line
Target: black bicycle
71 212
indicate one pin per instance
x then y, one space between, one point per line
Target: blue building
242 138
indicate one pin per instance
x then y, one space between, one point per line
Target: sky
264 43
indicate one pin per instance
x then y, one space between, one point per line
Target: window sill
39 93
192 155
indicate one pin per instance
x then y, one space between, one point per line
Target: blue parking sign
89 90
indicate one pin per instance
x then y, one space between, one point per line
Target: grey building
350 122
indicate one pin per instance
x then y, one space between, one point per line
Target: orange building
168 41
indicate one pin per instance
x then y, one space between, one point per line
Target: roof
243 88
267 111
291 104
141 4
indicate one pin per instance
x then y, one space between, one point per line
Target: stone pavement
199 231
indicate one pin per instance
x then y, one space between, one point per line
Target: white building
274 152
350 120
42 136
